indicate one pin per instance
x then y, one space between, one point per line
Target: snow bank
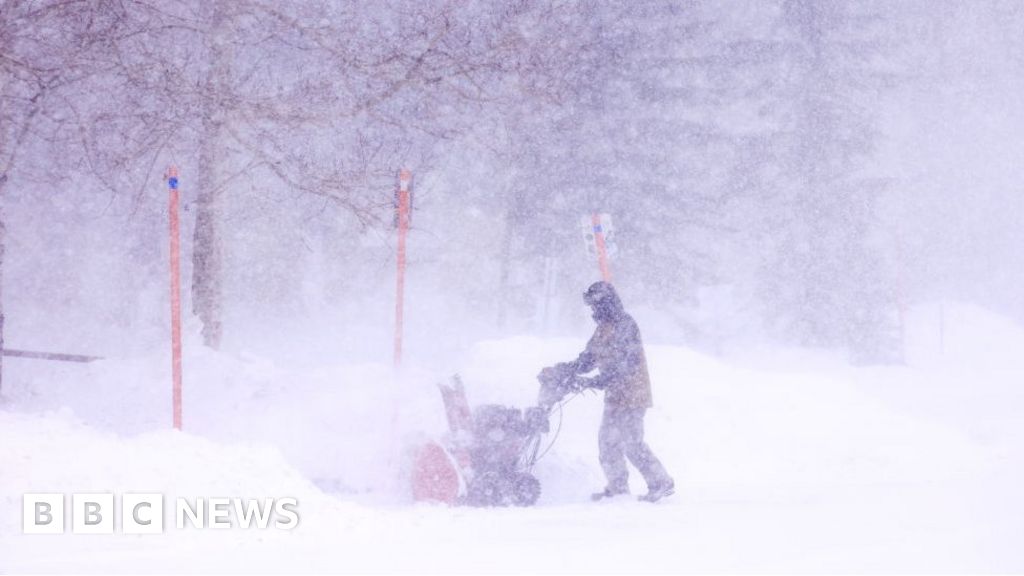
790 462
55 453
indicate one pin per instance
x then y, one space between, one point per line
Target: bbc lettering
144 513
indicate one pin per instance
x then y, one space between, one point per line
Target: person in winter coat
617 352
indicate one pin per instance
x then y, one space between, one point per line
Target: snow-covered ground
785 461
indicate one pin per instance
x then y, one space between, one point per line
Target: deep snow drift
784 461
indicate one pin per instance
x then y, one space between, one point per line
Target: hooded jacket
616 350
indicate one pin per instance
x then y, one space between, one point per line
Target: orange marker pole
602 252
172 188
404 178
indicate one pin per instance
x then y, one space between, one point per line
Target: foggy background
795 173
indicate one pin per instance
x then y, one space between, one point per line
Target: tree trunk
506 266
513 214
207 249
3 241
207 252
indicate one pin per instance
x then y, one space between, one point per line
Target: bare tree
48 49
327 99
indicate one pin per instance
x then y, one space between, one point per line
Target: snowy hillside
788 462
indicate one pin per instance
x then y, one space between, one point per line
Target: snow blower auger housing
488 456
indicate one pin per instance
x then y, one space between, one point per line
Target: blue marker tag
597 229
173 183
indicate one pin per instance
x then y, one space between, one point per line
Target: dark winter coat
617 351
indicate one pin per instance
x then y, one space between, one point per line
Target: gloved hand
548 375
557 373
580 383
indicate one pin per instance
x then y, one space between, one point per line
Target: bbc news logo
144 513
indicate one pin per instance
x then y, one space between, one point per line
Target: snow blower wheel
488 489
525 490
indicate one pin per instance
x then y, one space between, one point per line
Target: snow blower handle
557 382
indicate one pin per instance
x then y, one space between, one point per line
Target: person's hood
604 302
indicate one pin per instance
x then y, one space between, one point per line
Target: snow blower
487 458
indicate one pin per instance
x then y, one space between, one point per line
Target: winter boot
659 491
608 493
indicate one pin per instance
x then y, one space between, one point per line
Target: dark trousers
621 437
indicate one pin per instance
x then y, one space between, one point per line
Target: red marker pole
172 188
602 252
404 178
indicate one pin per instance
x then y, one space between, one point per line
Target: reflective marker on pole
404 178
602 252
172 188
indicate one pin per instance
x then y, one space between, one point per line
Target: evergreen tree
823 280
